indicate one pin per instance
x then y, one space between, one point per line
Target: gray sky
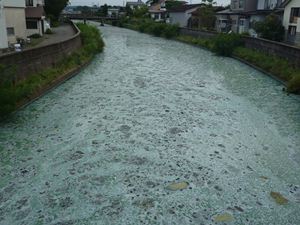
121 2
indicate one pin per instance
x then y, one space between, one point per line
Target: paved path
61 33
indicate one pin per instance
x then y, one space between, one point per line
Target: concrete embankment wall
270 47
36 59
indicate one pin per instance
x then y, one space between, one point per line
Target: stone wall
289 52
274 48
36 59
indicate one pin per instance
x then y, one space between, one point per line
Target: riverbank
227 45
14 95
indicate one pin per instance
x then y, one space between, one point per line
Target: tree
53 8
140 12
173 3
271 28
206 17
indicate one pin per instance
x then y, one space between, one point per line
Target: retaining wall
283 50
33 60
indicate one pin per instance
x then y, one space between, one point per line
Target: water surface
103 147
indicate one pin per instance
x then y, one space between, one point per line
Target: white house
35 17
291 21
181 15
12 22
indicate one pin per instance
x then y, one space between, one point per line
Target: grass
12 93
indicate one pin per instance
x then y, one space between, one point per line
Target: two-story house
12 22
35 17
236 18
157 10
244 13
291 21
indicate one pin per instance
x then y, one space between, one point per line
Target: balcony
294 19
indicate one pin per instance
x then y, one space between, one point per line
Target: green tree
140 12
271 28
173 3
53 8
206 17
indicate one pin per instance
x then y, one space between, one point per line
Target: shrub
35 36
294 84
224 44
12 93
48 31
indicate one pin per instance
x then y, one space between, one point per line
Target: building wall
181 18
3 34
14 3
268 4
39 29
15 17
287 23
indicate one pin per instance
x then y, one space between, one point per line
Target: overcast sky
123 2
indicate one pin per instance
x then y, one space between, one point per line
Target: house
35 17
12 22
236 18
243 14
157 11
291 21
181 14
134 5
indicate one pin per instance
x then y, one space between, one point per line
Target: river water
104 147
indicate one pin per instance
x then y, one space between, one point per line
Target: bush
48 31
11 93
35 36
224 44
294 84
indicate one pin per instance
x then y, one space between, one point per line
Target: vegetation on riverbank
13 93
231 46
150 27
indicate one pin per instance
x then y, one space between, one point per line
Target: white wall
15 17
181 18
287 13
3 34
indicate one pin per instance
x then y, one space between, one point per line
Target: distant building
134 5
181 14
113 12
291 21
157 11
12 22
35 17
242 14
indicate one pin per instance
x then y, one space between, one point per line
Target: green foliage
35 36
156 29
54 7
173 4
141 12
48 31
224 44
201 42
12 93
279 67
206 17
271 28
294 84
91 38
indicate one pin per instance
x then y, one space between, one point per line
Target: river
154 131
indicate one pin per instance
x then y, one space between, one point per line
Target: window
29 2
295 14
10 31
241 4
31 24
292 30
